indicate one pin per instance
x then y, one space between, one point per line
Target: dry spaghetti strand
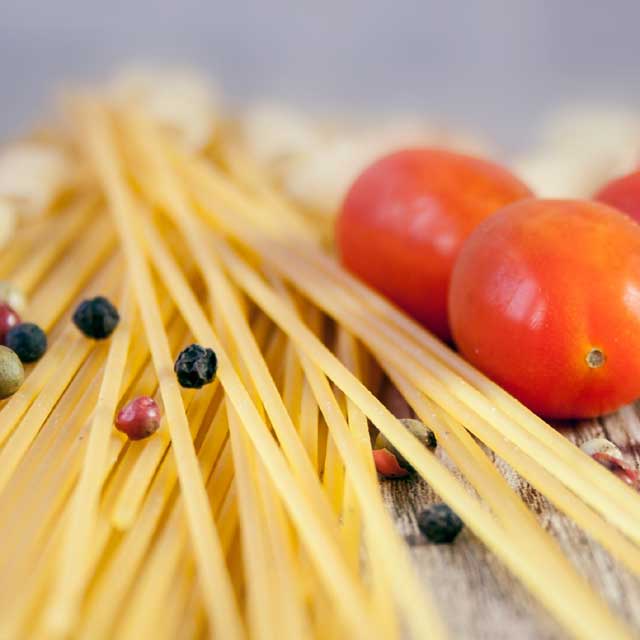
218 591
64 607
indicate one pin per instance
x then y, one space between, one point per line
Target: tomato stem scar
595 358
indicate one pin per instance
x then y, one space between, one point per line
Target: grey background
496 65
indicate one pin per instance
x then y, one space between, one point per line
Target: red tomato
545 299
623 194
406 217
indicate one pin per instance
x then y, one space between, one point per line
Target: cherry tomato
405 218
623 194
545 299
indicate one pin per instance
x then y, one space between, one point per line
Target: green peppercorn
424 435
11 372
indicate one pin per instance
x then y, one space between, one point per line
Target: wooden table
477 596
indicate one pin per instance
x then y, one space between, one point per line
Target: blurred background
496 66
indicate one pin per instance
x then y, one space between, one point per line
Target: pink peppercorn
620 468
8 319
139 419
387 464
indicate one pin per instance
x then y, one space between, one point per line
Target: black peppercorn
96 318
196 366
28 340
439 523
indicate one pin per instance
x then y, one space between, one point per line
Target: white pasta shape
32 176
8 220
181 101
581 149
274 132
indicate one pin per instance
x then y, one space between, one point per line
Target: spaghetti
254 511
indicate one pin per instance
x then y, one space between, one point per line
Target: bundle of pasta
253 509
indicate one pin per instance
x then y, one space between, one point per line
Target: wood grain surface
477 596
